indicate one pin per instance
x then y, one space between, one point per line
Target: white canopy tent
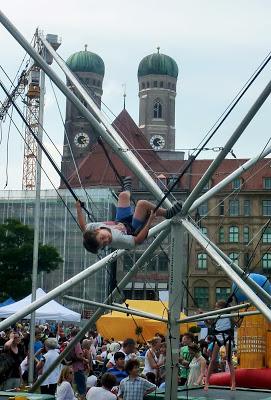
51 311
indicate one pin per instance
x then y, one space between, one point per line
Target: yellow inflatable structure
121 326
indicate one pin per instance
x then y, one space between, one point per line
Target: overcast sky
217 44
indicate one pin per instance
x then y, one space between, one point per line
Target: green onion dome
158 64
85 61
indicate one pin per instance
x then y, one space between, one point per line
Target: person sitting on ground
118 369
197 366
129 229
108 381
64 385
134 387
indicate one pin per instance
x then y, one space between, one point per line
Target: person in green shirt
185 357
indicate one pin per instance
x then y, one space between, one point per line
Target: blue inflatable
261 280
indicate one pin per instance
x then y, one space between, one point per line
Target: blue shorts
126 216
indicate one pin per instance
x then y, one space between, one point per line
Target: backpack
6 364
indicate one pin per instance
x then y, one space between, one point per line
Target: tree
16 259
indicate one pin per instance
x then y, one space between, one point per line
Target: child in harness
223 336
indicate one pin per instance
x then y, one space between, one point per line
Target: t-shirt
135 389
99 393
185 354
48 359
118 373
120 239
64 391
223 324
78 365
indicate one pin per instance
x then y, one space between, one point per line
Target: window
246 234
155 84
237 183
266 261
168 85
204 230
221 207
222 293
267 183
163 263
267 208
94 82
233 234
157 109
203 209
202 261
201 295
234 208
267 235
173 86
143 85
148 84
161 84
247 208
234 257
221 235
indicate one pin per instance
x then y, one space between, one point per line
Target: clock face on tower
81 139
157 142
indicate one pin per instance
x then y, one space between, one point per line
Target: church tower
157 79
89 68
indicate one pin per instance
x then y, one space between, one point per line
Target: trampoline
215 393
30 396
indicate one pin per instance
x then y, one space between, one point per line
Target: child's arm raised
141 236
80 217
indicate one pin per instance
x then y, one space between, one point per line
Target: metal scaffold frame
177 225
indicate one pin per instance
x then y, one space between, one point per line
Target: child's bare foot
233 387
206 387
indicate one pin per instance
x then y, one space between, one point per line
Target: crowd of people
102 369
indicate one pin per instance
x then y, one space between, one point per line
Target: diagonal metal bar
217 188
119 308
114 295
213 312
228 146
73 281
231 315
259 304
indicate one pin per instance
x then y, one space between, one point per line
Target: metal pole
213 312
124 310
266 297
217 188
259 304
36 230
116 143
176 268
115 294
73 281
228 146
232 315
